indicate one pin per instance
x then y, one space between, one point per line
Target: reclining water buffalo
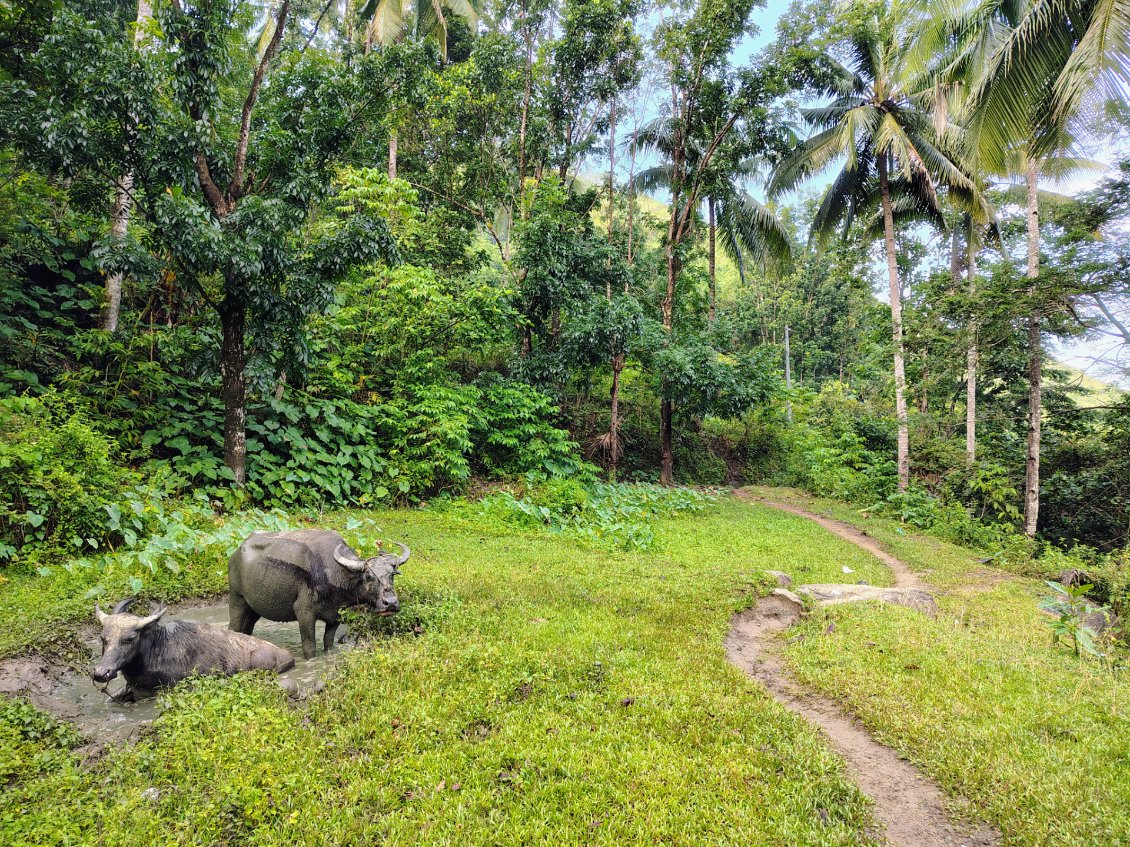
308 575
151 654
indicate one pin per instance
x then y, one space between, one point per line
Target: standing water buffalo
308 575
151 654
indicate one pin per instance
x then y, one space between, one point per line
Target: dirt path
910 807
904 576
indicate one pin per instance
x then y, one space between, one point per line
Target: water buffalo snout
103 674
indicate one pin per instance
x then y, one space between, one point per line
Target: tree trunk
667 460
392 141
123 205
971 354
710 261
233 317
955 259
630 223
896 328
666 407
611 173
1035 360
528 75
614 420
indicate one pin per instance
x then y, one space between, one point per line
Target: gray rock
289 686
783 579
1100 621
832 594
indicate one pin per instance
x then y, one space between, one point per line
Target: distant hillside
1095 391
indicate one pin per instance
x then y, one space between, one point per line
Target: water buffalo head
121 638
376 575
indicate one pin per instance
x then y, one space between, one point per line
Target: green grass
562 694
559 694
1036 738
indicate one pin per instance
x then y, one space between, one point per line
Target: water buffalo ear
100 614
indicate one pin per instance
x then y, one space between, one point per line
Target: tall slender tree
123 202
713 112
750 231
893 158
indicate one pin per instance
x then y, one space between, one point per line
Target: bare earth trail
910 807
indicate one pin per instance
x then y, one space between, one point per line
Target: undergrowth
614 516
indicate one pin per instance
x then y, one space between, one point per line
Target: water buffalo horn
153 618
403 557
122 605
347 561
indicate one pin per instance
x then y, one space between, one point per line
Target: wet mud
72 696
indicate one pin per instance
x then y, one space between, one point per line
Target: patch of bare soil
910 807
30 675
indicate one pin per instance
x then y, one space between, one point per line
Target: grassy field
1038 739
561 694
558 695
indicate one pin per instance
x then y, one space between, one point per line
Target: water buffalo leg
241 617
328 636
306 623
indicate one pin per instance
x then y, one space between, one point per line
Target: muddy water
73 697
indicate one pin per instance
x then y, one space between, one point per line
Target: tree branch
1122 330
317 25
235 187
211 191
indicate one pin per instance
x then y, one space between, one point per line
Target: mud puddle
73 697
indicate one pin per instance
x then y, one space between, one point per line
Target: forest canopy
319 255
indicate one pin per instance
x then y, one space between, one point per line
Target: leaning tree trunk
1035 360
123 205
896 328
392 143
614 421
710 260
971 353
233 317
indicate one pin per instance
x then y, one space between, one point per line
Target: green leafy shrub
315 452
513 434
616 515
1074 611
31 742
58 477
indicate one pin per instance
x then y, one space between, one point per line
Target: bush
314 452
614 515
58 476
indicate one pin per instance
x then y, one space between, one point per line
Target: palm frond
751 229
653 179
1102 54
842 198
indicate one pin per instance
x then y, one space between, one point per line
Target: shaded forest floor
537 690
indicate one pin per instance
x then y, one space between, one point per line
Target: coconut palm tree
1024 71
749 230
893 158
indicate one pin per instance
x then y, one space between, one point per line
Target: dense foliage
265 255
